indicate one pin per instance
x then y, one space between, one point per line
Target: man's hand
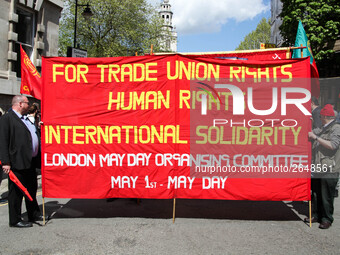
311 136
6 169
325 143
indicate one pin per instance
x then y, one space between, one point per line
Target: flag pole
288 54
310 213
174 211
43 201
310 202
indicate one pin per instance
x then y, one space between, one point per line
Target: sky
215 25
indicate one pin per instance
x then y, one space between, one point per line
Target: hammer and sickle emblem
276 56
26 88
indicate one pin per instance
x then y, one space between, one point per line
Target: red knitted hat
327 110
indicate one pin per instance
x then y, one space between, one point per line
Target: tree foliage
117 28
254 39
321 21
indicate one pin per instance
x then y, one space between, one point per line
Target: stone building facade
276 21
35 25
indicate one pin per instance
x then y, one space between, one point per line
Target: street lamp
87 13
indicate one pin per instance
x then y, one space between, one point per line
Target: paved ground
201 227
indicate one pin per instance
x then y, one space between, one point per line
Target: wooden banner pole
174 211
43 200
288 54
310 202
310 213
228 52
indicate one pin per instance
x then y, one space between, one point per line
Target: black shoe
22 224
3 200
39 218
313 220
325 225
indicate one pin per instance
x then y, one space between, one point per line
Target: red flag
30 78
19 184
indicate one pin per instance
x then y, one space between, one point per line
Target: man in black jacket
20 152
316 113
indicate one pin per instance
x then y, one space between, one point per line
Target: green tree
321 21
117 28
254 39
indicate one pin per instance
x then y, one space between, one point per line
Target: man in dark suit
316 113
20 152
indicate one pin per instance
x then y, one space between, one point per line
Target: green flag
301 39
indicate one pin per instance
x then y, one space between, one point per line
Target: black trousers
323 193
28 178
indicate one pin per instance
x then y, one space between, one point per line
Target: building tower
169 42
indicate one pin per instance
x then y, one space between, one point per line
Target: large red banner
151 126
